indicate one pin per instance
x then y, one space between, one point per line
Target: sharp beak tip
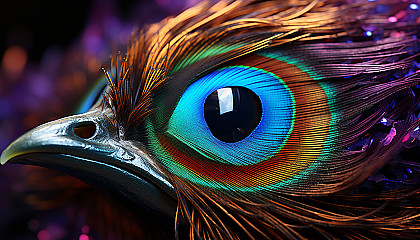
5 156
13 150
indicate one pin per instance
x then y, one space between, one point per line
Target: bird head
248 118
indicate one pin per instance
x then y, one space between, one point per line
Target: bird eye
288 126
232 113
286 122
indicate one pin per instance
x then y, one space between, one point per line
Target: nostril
85 130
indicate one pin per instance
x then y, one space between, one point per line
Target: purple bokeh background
51 54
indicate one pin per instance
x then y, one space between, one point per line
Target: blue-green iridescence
188 125
206 52
94 95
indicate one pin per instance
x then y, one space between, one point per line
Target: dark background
51 54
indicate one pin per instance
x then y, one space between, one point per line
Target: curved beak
86 146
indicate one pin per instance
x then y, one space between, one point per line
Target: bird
254 120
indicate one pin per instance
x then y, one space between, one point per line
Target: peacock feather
317 98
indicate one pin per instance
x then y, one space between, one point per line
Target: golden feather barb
241 27
159 51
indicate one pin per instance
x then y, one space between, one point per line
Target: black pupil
232 113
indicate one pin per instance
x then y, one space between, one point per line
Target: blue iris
187 123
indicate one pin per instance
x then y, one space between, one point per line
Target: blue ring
278 107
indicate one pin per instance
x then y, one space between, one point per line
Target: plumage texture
300 180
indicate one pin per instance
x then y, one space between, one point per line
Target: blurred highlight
14 61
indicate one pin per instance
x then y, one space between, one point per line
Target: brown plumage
155 52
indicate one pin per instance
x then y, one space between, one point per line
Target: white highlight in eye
225 96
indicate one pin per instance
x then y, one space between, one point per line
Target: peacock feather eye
232 113
264 106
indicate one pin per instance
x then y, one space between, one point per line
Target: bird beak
87 147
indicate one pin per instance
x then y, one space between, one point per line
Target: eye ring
188 126
288 146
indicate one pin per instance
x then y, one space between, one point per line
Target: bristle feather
335 86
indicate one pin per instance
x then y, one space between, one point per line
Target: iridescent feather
296 175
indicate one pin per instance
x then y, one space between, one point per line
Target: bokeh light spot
43 235
83 237
392 19
14 60
85 229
